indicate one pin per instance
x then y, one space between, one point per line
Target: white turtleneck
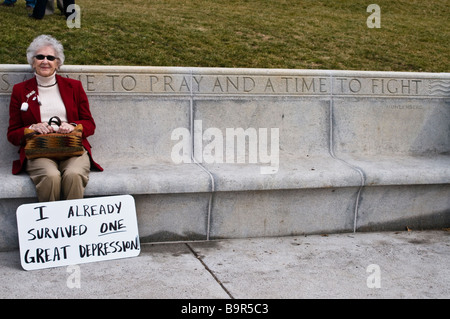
50 98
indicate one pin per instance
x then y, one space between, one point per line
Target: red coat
77 107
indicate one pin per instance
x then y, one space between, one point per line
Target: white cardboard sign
78 231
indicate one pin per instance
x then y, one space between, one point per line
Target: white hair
45 40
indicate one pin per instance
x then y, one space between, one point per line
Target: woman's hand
65 128
42 128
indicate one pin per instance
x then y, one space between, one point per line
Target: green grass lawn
302 34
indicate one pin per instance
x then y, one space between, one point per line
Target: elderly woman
33 103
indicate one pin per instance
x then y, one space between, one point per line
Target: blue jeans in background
30 3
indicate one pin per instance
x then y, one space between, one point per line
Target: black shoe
31 16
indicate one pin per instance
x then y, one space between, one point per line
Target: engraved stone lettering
113 87
153 80
354 85
240 83
249 84
308 88
90 82
4 84
322 84
269 85
184 85
128 83
198 82
217 85
168 83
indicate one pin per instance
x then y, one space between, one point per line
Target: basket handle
54 119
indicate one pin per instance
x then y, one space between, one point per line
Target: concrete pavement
406 264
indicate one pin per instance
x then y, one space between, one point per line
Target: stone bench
230 153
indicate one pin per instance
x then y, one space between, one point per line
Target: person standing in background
41 5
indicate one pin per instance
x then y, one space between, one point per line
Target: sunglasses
42 57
